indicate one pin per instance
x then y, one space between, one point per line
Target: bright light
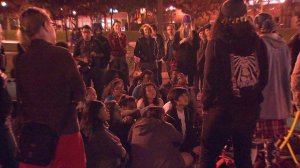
74 12
3 4
61 9
171 8
113 10
143 10
265 2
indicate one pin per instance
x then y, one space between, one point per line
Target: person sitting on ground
165 88
114 91
181 81
118 125
181 117
154 142
146 76
129 107
103 149
149 96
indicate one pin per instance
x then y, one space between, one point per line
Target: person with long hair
147 50
103 149
236 72
277 106
154 142
186 44
48 86
118 43
145 77
149 96
114 90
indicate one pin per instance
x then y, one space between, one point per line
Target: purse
36 144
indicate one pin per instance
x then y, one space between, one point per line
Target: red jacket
117 44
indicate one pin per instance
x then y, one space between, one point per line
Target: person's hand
137 59
93 53
184 40
80 107
127 120
85 60
197 150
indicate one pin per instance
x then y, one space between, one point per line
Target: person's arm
263 65
210 74
196 41
123 41
76 83
295 83
176 43
137 49
174 135
76 52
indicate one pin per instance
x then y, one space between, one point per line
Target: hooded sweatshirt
153 145
277 102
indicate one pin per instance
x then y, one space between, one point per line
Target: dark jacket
154 145
47 83
160 44
84 48
117 44
186 53
231 78
146 49
2 59
103 149
190 140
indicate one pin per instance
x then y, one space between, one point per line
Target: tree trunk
160 16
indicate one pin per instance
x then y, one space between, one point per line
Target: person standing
93 60
186 44
236 72
276 108
161 52
2 53
48 84
147 50
118 43
169 51
294 46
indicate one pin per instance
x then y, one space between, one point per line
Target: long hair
91 122
31 20
240 37
110 88
181 32
111 107
144 95
142 29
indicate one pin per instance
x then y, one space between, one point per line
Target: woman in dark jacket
186 44
154 143
147 50
103 149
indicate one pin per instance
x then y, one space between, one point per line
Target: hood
274 40
146 125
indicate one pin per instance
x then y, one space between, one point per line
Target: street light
3 4
171 9
74 12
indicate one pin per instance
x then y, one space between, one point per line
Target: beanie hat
265 23
186 19
235 11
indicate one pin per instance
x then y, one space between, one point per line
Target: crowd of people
83 110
